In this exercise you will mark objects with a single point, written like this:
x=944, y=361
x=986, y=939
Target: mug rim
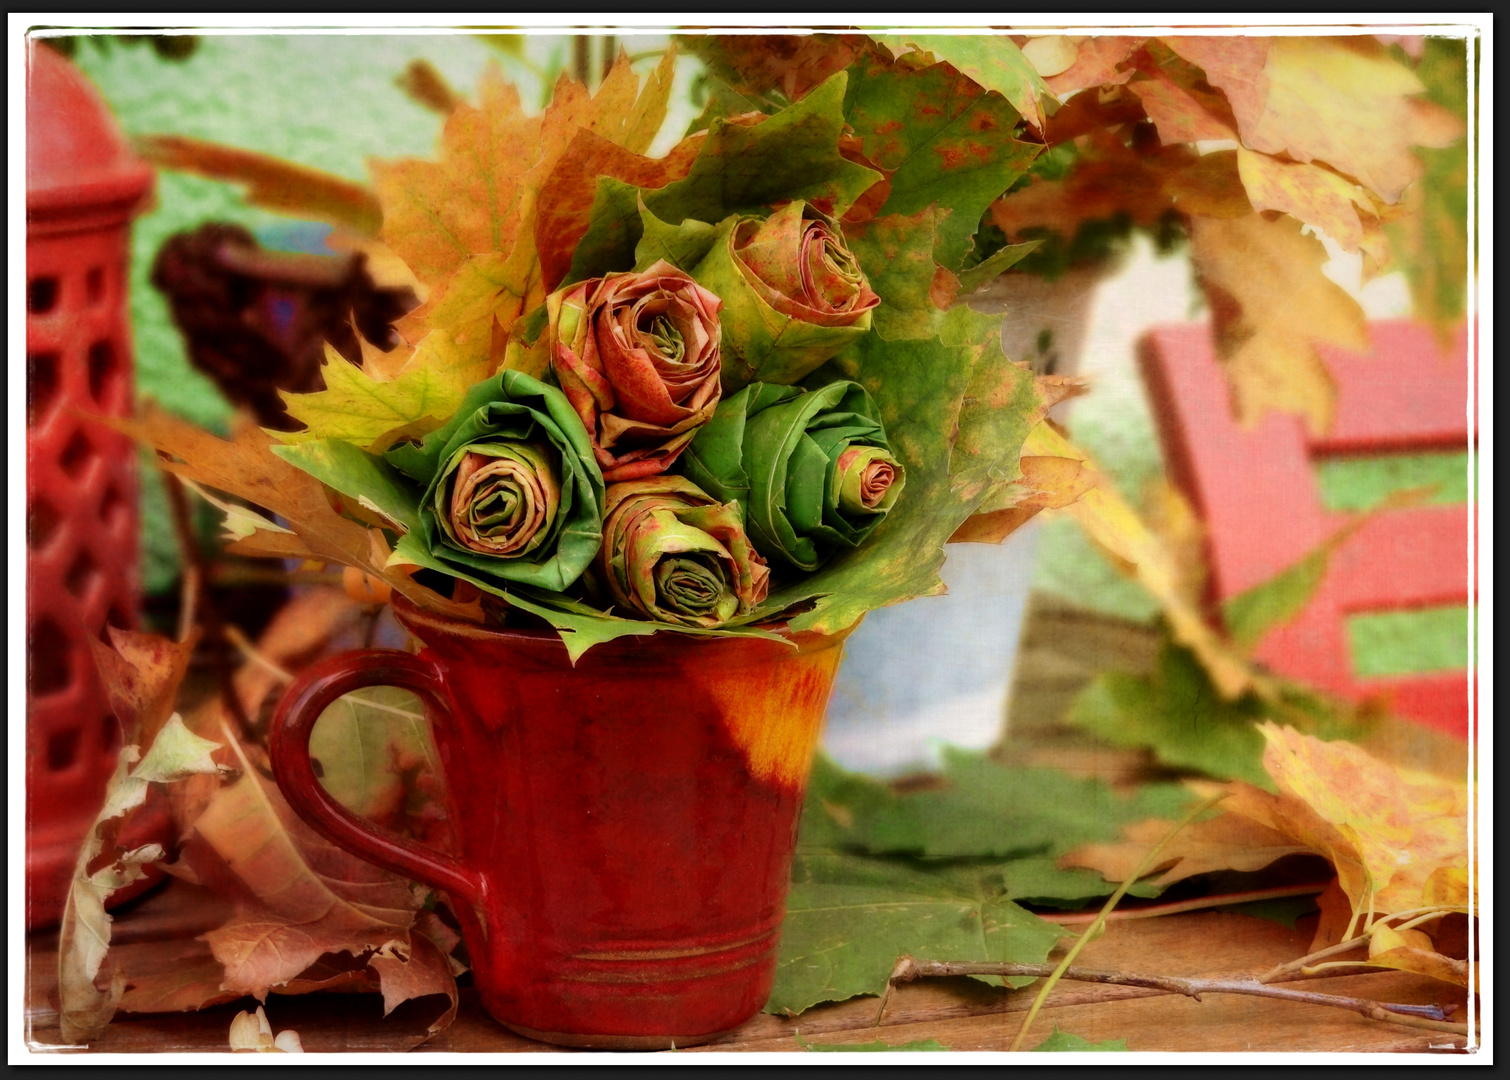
x=410, y=613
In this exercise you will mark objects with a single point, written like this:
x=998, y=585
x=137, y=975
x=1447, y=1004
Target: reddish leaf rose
x=637, y=354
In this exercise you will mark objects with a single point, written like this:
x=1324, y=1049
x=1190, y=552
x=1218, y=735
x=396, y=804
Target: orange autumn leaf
x=1313, y=194
x=1178, y=113
x=1096, y=63
x=245, y=468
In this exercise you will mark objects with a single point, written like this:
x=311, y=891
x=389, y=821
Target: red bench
x=1258, y=494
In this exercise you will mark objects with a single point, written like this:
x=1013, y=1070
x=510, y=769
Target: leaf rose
x=793, y=294
x=812, y=469
x=511, y=491
x=637, y=354
x=673, y=554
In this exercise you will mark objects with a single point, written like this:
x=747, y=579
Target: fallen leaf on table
x=877, y=1047
x=848, y=918
x=1227, y=842
x=84, y=938
x=1397, y=840
x=252, y=1033
x=1065, y=1042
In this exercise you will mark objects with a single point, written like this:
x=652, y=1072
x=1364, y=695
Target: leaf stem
x=1431, y=1017
x=1099, y=923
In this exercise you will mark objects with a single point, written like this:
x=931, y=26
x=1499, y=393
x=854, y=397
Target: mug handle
x=313, y=691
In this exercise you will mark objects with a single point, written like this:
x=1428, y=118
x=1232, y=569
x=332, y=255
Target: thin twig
x=195, y=565
x=188, y=549
x=1423, y=1016
x=1099, y=923
x=1200, y=903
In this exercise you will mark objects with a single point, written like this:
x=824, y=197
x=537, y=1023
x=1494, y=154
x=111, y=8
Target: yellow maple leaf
x=1398, y=840
x=1314, y=195
x=358, y=409
x=1412, y=950
x=1271, y=307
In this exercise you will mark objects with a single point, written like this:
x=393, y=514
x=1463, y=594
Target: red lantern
x=83, y=186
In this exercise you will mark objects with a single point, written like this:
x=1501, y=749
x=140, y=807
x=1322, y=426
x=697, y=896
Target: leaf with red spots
x=942, y=140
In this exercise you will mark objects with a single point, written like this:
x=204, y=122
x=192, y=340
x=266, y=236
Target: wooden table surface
x=1060, y=651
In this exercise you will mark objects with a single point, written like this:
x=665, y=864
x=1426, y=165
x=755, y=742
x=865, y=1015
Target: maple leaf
x=1157, y=565
x=299, y=896
x=1343, y=101
x=372, y=414
x=1226, y=842
x=1053, y=476
x=1316, y=196
x=994, y=62
x=1096, y=63
x=436, y=214
x=1271, y=307
x=1397, y=840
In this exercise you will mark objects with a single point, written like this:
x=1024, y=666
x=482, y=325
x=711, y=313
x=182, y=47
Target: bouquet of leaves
x=719, y=391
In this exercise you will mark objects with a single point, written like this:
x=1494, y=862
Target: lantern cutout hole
x=42, y=386
x=47, y=660
x=62, y=749
x=41, y=295
x=102, y=369
x=77, y=456
x=81, y=576
x=42, y=523
x=94, y=285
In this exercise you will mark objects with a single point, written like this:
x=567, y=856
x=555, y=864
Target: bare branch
x=1422, y=1016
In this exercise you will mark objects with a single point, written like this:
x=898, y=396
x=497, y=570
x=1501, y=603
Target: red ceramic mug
x=625, y=825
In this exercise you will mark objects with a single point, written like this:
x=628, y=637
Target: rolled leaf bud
x=793, y=294
x=510, y=489
x=672, y=554
x=813, y=470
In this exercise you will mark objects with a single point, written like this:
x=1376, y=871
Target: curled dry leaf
x=84, y=939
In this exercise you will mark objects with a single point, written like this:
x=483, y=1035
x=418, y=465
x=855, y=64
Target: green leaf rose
x=510, y=489
x=813, y=469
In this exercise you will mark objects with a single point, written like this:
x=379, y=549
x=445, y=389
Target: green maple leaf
x=1065, y=1042
x=848, y=918
x=988, y=809
x=739, y=169
x=992, y=60
x=944, y=141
